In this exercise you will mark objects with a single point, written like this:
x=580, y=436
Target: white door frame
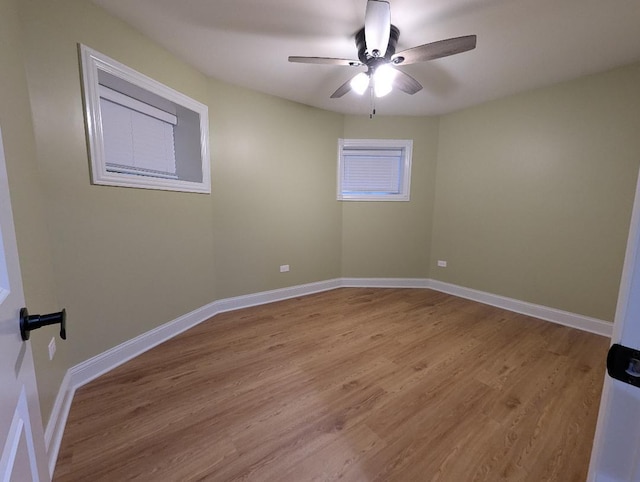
x=615, y=456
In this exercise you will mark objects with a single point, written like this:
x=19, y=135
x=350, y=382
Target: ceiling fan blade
x=377, y=23
x=343, y=89
x=435, y=50
x=406, y=83
x=325, y=60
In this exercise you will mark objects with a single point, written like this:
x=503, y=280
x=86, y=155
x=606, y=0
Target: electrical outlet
x=442, y=263
x=52, y=348
x=284, y=268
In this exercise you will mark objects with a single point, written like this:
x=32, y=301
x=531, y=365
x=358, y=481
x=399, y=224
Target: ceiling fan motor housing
x=373, y=62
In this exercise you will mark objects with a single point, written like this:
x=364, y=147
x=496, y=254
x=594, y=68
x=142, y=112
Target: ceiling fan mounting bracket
x=373, y=61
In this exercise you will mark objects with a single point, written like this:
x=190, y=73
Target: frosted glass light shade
x=360, y=83
x=383, y=80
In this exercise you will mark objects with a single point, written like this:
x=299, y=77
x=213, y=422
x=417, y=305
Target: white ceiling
x=522, y=44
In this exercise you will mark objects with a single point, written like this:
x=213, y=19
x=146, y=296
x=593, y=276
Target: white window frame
x=405, y=145
x=92, y=63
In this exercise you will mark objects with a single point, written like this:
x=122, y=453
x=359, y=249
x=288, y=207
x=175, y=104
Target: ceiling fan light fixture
x=376, y=46
x=360, y=83
x=383, y=80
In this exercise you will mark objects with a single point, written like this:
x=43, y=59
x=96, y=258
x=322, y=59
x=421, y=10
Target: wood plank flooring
x=352, y=384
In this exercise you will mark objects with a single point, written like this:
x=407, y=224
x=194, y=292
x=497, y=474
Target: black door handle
x=33, y=322
x=623, y=363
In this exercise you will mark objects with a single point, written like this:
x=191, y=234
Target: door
x=616, y=448
x=21, y=435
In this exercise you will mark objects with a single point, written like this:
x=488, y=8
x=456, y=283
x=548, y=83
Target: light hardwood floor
x=352, y=384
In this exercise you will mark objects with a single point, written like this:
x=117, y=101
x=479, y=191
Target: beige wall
x=534, y=193
x=392, y=239
x=527, y=197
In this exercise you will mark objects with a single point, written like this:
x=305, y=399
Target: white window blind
x=372, y=171
x=138, y=138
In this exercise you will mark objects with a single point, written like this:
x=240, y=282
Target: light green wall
x=392, y=239
x=128, y=260
x=274, y=165
x=534, y=193
x=125, y=260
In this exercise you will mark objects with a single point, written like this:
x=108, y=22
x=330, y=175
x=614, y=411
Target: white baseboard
x=584, y=323
x=92, y=368
x=100, y=364
x=384, y=283
x=58, y=420
x=264, y=297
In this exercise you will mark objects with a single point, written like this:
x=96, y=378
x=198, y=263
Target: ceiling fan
x=376, y=44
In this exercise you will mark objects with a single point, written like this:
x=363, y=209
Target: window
x=374, y=169
x=141, y=132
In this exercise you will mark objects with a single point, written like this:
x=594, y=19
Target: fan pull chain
x=373, y=103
